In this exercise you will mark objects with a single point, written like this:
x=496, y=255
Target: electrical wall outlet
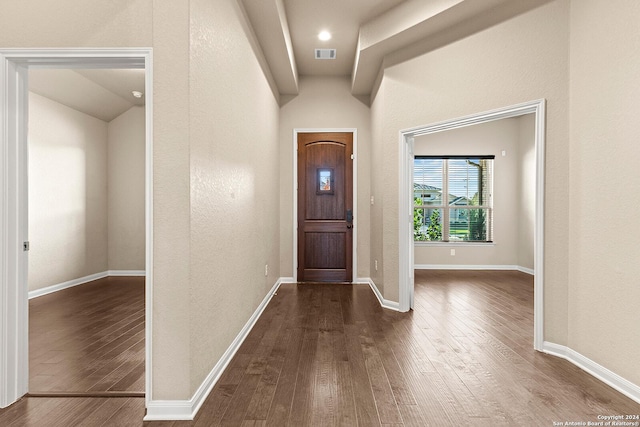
x=266, y=269
x=375, y=264
x=453, y=252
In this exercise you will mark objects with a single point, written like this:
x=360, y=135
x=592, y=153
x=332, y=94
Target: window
x=453, y=199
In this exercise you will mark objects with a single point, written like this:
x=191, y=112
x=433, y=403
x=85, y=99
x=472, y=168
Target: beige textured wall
x=483, y=139
x=212, y=98
x=324, y=103
x=526, y=182
x=376, y=173
x=165, y=27
x=604, y=320
x=125, y=190
x=522, y=59
x=67, y=193
x=234, y=182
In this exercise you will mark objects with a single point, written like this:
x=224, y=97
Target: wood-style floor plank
x=88, y=338
x=329, y=355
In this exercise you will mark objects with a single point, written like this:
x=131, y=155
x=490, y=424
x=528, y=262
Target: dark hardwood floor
x=89, y=338
x=325, y=355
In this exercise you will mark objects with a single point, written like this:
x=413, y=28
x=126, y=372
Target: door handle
x=349, y=219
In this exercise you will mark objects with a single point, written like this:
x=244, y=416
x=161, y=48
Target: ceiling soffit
x=271, y=28
x=368, y=34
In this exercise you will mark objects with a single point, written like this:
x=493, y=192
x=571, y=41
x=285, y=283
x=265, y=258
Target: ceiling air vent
x=325, y=54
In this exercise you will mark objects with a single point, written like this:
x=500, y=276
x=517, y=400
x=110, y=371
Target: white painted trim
x=405, y=214
x=13, y=261
x=68, y=284
x=148, y=216
x=14, y=64
x=526, y=270
x=472, y=267
x=161, y=410
x=133, y=273
x=287, y=280
x=354, y=131
x=385, y=303
x=82, y=280
x=608, y=377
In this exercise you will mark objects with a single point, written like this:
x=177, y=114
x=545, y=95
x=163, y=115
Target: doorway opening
x=86, y=147
x=15, y=65
x=406, y=178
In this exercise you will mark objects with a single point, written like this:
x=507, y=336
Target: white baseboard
x=137, y=273
x=610, y=378
x=471, y=267
x=526, y=270
x=82, y=280
x=385, y=303
x=287, y=280
x=164, y=410
x=68, y=284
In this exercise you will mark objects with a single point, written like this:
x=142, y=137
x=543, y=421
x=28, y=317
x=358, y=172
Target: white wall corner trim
x=385, y=303
x=165, y=410
x=610, y=378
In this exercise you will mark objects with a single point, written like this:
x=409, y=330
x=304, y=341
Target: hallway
x=329, y=355
x=326, y=355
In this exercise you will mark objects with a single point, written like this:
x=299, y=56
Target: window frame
x=446, y=206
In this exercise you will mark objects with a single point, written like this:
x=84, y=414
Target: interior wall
x=165, y=27
x=235, y=195
x=325, y=102
x=67, y=193
x=376, y=178
x=526, y=181
x=125, y=190
x=519, y=60
x=490, y=138
x=603, y=238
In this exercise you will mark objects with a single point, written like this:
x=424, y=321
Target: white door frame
x=14, y=97
x=406, y=268
x=353, y=131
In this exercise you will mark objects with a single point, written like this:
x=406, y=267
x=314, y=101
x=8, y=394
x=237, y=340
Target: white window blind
x=453, y=200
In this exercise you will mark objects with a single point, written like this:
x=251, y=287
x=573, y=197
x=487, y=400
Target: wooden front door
x=325, y=207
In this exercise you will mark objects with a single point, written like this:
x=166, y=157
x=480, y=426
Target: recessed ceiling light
x=136, y=93
x=324, y=35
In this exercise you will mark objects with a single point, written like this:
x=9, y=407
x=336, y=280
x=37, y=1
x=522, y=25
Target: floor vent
x=325, y=54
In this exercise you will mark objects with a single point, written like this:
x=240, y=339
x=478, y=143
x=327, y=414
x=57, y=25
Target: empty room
x=362, y=212
x=86, y=232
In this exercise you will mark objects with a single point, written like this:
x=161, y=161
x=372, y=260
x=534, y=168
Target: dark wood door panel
x=325, y=195
x=327, y=156
x=325, y=250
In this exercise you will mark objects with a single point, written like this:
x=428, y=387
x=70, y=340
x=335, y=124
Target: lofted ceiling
x=368, y=35
x=101, y=93
x=365, y=33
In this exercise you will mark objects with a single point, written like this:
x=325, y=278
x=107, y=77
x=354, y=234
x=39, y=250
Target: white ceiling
x=101, y=93
x=365, y=33
x=342, y=18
